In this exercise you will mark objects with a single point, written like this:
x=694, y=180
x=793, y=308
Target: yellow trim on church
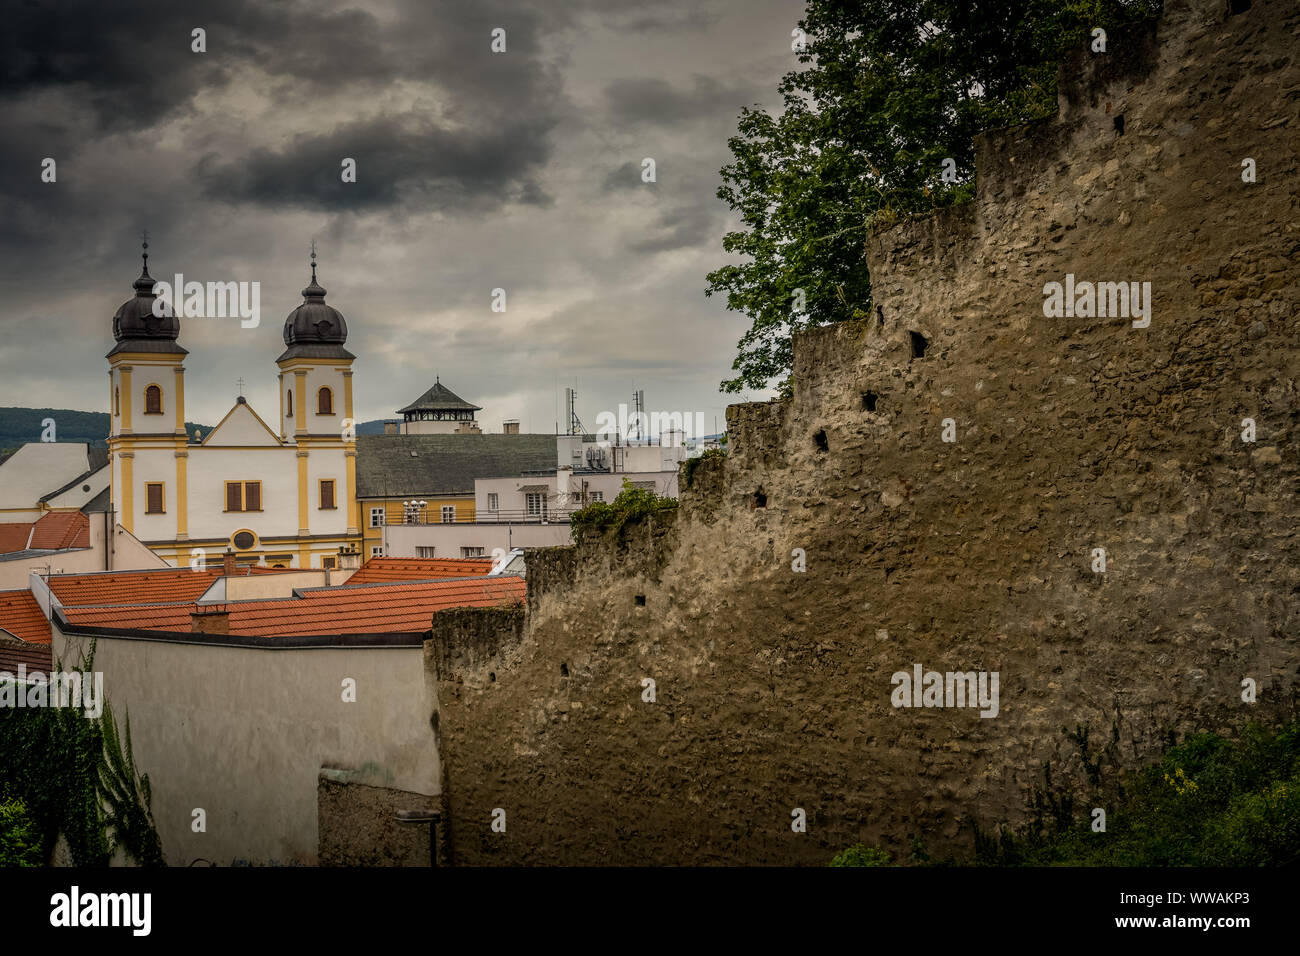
x=128, y=500
x=179, y=400
x=125, y=373
x=304, y=502
x=182, y=494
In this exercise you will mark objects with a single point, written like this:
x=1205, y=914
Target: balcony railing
x=482, y=516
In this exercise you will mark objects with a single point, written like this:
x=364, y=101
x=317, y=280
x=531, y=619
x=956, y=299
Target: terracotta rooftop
x=14, y=536
x=154, y=586
x=21, y=616
x=53, y=531
x=37, y=657
x=419, y=569
x=61, y=529
x=370, y=609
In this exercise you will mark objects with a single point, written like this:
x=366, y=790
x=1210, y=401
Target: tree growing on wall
x=878, y=125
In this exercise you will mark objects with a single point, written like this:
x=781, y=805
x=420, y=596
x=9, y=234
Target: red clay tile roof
x=37, y=657
x=419, y=569
x=53, y=531
x=156, y=586
x=61, y=529
x=373, y=609
x=21, y=616
x=14, y=536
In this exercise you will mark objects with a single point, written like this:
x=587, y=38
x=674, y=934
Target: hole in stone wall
x=492, y=675
x=760, y=499
x=564, y=670
x=1119, y=124
x=869, y=400
x=919, y=344
x=819, y=438
x=1237, y=6
x=880, y=314
x=640, y=600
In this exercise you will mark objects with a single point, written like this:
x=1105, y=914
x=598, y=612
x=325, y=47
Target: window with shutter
x=154, y=498
x=327, y=494
x=252, y=496
x=234, y=496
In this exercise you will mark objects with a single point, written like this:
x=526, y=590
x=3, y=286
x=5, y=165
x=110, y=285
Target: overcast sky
x=475, y=170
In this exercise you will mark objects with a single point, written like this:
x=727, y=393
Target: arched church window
x=117, y=401
x=153, y=400
x=288, y=403
x=325, y=402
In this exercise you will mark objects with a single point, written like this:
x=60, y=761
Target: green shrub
x=20, y=840
x=630, y=507
x=1209, y=801
x=861, y=855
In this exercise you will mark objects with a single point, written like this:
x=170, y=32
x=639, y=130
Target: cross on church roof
x=240, y=382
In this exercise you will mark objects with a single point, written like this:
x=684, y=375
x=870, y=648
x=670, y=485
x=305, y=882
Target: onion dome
x=135, y=326
x=315, y=329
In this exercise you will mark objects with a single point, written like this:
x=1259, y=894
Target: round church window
x=243, y=540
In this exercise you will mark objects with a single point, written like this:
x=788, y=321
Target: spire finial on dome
x=313, y=292
x=144, y=249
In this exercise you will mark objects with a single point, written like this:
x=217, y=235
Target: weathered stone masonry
x=1072, y=434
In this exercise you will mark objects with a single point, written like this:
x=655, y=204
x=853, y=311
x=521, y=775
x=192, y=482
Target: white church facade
x=276, y=493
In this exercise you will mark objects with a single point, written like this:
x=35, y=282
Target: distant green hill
x=21, y=425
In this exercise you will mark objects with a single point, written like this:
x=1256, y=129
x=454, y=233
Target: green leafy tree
x=891, y=89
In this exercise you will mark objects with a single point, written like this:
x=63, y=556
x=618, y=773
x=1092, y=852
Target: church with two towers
x=280, y=493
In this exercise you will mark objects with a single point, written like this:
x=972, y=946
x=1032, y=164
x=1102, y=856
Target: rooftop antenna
x=638, y=411
x=573, y=426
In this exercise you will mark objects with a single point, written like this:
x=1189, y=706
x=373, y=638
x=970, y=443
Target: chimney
x=349, y=559
x=390, y=428
x=210, y=619
x=510, y=427
x=228, y=563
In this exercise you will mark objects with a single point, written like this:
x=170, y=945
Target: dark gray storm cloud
x=475, y=170
x=401, y=161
